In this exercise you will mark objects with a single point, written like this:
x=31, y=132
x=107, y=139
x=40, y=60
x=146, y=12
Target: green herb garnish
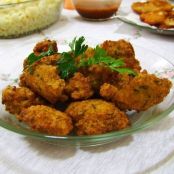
x=100, y=57
x=68, y=65
x=33, y=58
x=77, y=46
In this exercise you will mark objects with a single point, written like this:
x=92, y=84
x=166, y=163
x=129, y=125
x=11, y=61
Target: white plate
x=127, y=15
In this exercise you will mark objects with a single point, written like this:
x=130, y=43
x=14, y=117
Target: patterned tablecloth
x=150, y=151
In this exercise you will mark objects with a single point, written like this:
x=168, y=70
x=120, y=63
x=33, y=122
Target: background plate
x=127, y=15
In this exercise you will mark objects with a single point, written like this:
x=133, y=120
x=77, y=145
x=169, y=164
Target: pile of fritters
x=159, y=13
x=95, y=98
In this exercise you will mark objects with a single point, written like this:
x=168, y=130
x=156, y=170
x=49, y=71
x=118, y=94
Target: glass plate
x=128, y=16
x=11, y=67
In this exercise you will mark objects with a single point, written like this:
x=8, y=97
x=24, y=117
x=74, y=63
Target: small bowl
x=23, y=17
x=97, y=9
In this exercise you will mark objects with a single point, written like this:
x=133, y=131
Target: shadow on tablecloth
x=59, y=152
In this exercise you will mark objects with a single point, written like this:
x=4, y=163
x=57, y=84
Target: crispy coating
x=96, y=116
x=48, y=60
x=79, y=87
x=45, y=81
x=122, y=49
x=154, y=18
x=46, y=120
x=157, y=13
x=43, y=46
x=99, y=74
x=142, y=92
x=92, y=116
x=16, y=99
x=151, y=6
x=93, y=73
x=169, y=21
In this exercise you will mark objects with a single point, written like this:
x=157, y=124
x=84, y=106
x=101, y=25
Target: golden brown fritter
x=169, y=21
x=96, y=116
x=79, y=87
x=48, y=60
x=122, y=49
x=151, y=6
x=46, y=120
x=16, y=99
x=45, y=81
x=158, y=13
x=99, y=74
x=154, y=18
x=142, y=92
x=44, y=46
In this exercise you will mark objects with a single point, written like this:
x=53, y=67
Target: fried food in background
x=158, y=13
x=18, y=98
x=46, y=120
x=169, y=21
x=151, y=6
x=79, y=87
x=94, y=116
x=141, y=93
x=44, y=80
x=154, y=18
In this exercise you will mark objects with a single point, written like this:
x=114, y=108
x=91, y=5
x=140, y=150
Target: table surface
x=150, y=151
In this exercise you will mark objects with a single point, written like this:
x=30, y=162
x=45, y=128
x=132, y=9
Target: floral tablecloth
x=150, y=151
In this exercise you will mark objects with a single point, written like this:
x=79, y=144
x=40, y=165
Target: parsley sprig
x=32, y=58
x=77, y=46
x=101, y=58
x=68, y=65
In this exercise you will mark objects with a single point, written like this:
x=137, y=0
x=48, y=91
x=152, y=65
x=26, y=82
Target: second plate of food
x=94, y=121
x=150, y=15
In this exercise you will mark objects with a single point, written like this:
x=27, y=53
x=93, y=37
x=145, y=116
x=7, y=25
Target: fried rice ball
x=45, y=81
x=122, y=49
x=48, y=60
x=43, y=46
x=142, y=92
x=154, y=18
x=151, y=6
x=79, y=87
x=46, y=120
x=96, y=116
x=99, y=74
x=17, y=98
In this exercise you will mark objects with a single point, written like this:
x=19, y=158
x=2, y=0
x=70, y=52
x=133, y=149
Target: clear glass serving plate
x=11, y=67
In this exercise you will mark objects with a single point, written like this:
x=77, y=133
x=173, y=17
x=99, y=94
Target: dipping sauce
x=97, y=13
x=97, y=9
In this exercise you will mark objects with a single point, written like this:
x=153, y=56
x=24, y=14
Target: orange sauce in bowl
x=97, y=13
